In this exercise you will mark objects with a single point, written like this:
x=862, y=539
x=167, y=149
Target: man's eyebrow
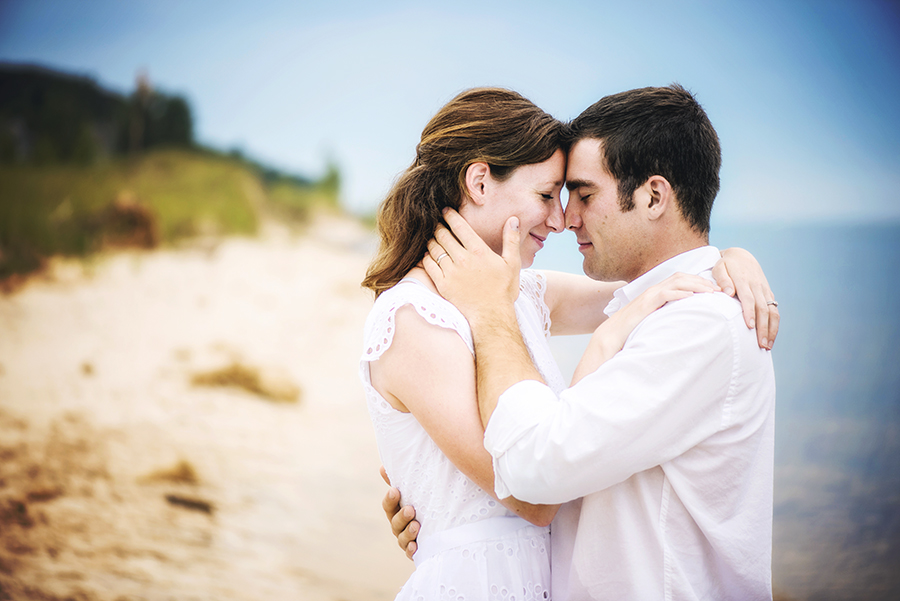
x=574, y=184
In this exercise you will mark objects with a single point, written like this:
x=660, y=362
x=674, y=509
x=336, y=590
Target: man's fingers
x=384, y=476
x=403, y=523
x=511, y=242
x=406, y=529
x=402, y=520
x=462, y=230
x=436, y=251
x=432, y=268
x=407, y=538
x=391, y=503
x=447, y=242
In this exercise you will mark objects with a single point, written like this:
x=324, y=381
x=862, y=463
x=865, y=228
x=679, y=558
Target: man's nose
x=573, y=219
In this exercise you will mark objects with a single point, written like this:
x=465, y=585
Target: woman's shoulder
x=417, y=299
x=412, y=289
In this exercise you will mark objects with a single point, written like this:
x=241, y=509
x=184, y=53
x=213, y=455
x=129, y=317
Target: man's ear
x=476, y=179
x=658, y=196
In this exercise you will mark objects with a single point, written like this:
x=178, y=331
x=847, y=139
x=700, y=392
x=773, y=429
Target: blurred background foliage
x=83, y=168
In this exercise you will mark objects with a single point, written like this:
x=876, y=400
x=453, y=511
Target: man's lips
x=583, y=245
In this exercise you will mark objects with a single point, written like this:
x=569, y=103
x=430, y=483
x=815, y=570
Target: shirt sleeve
x=664, y=393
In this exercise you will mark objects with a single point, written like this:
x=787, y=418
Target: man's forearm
x=501, y=357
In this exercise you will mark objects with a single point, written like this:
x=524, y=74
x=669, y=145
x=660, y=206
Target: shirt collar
x=693, y=261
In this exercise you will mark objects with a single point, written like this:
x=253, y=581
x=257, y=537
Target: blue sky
x=803, y=94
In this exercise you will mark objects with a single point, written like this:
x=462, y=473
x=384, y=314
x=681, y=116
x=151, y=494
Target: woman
x=489, y=154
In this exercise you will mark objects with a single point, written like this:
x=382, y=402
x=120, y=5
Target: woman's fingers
x=774, y=322
x=688, y=282
x=767, y=317
x=757, y=304
x=748, y=304
x=759, y=313
x=720, y=273
x=675, y=287
x=762, y=317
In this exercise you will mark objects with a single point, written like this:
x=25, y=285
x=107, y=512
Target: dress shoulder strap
x=379, y=330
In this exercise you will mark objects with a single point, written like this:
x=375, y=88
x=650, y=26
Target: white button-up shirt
x=670, y=443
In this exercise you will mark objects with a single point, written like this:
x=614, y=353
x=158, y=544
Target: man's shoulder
x=719, y=302
x=703, y=306
x=711, y=319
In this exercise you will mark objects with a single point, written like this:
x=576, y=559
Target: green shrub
x=171, y=194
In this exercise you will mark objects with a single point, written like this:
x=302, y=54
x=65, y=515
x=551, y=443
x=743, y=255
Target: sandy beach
x=189, y=424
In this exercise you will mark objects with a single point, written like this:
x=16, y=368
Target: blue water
x=837, y=365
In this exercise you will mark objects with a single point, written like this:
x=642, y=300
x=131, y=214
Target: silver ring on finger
x=439, y=259
x=772, y=304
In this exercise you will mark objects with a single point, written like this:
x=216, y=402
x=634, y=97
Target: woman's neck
x=418, y=273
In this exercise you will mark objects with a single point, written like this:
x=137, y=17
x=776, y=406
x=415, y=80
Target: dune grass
x=66, y=209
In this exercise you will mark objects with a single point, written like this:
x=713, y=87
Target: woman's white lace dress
x=470, y=547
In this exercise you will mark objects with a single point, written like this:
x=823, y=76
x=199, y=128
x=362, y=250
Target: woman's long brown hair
x=490, y=125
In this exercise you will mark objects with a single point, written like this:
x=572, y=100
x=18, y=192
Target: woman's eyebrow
x=558, y=182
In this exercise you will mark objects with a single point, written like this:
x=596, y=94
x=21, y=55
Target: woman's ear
x=476, y=177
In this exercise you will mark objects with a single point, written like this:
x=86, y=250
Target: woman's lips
x=539, y=240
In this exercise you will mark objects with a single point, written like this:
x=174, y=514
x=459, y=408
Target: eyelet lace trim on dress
x=433, y=309
x=534, y=284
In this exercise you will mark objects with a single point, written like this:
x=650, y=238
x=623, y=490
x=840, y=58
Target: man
x=663, y=455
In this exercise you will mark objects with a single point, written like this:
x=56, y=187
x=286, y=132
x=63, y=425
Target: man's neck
x=672, y=247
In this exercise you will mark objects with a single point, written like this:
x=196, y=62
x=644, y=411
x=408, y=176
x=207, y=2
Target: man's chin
x=593, y=276
x=596, y=272
x=588, y=270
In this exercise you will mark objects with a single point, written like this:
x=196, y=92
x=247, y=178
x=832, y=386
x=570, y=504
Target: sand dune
x=125, y=475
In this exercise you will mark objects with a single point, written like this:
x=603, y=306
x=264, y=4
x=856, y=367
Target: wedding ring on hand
x=438, y=260
x=772, y=303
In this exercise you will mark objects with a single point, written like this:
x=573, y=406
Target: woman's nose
x=556, y=220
